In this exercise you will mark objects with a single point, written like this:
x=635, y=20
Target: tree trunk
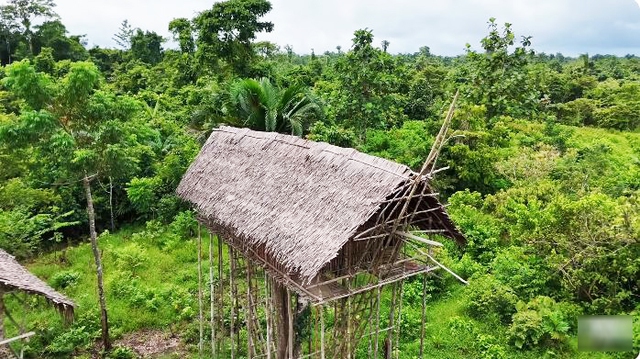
x=96, y=255
x=113, y=222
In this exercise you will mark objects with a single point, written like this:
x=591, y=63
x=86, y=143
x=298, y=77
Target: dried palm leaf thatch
x=298, y=201
x=13, y=276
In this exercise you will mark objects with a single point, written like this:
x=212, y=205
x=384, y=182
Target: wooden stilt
x=249, y=313
x=211, y=298
x=267, y=313
x=377, y=341
x=399, y=320
x=322, y=332
x=1, y=313
x=232, y=300
x=220, y=298
x=290, y=331
x=388, y=343
x=424, y=309
x=200, y=305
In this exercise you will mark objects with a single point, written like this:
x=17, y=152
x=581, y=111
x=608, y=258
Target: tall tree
x=497, y=77
x=22, y=13
x=78, y=131
x=227, y=30
x=124, y=34
x=147, y=46
x=183, y=33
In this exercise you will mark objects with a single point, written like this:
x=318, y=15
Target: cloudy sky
x=568, y=26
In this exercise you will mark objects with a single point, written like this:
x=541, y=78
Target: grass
x=151, y=283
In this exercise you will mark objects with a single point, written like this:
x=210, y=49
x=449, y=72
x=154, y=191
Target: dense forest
x=543, y=171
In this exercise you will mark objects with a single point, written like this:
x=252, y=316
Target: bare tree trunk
x=96, y=255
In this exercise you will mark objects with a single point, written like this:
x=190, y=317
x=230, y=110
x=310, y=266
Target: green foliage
x=539, y=322
x=261, y=106
x=543, y=174
x=226, y=31
x=120, y=352
x=130, y=257
x=64, y=279
x=487, y=296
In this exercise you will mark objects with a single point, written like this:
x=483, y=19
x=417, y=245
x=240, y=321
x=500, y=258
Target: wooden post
x=249, y=313
x=211, y=298
x=388, y=343
x=280, y=295
x=233, y=301
x=221, y=297
x=424, y=306
x=200, y=304
x=375, y=351
x=290, y=330
x=267, y=312
x=1, y=313
x=322, y=332
x=399, y=320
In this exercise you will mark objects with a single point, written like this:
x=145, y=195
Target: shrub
x=487, y=296
x=122, y=353
x=64, y=279
x=184, y=224
x=130, y=257
x=539, y=322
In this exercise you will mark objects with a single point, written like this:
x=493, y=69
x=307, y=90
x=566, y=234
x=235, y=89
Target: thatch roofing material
x=302, y=200
x=15, y=276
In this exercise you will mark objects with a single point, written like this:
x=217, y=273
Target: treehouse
x=17, y=281
x=329, y=228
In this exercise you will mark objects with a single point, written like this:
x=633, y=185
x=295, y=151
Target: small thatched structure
x=16, y=278
x=333, y=225
x=13, y=276
x=295, y=202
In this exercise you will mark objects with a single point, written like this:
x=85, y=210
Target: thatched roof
x=13, y=276
x=299, y=200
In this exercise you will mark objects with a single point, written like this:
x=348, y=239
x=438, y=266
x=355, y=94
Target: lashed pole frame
x=356, y=314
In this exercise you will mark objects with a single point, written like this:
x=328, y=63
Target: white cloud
x=568, y=26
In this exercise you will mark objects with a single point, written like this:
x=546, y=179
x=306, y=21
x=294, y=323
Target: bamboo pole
x=267, y=313
x=290, y=331
x=211, y=298
x=1, y=313
x=424, y=309
x=322, y=332
x=399, y=326
x=232, y=301
x=200, y=304
x=249, y=314
x=375, y=352
x=221, y=297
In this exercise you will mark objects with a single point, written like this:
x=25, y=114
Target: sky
x=571, y=27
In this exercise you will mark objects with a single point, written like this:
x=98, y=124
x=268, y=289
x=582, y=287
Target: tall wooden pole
x=211, y=298
x=1, y=313
x=290, y=319
x=322, y=332
x=233, y=301
x=221, y=297
x=200, y=304
x=424, y=309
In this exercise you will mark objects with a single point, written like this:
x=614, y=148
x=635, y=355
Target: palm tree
x=264, y=107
